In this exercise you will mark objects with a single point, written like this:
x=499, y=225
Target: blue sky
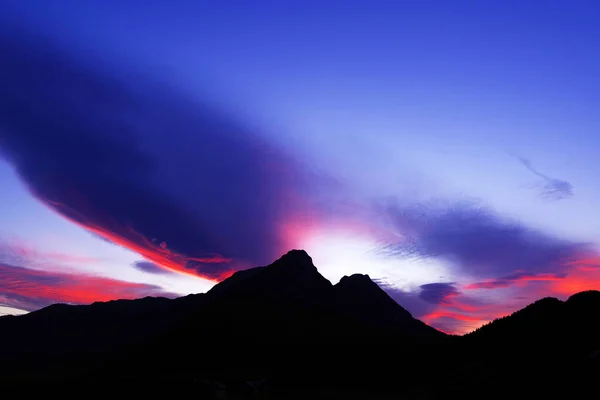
x=383, y=105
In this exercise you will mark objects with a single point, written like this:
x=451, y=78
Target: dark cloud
x=445, y=307
x=140, y=164
x=409, y=300
x=149, y=267
x=476, y=240
x=437, y=293
x=31, y=289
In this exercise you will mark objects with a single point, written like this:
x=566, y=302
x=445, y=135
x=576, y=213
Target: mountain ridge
x=269, y=322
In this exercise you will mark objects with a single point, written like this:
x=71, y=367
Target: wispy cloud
x=516, y=278
x=31, y=279
x=30, y=289
x=492, y=258
x=477, y=241
x=461, y=308
x=551, y=188
x=18, y=252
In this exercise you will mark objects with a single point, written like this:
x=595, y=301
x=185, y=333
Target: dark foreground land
x=283, y=331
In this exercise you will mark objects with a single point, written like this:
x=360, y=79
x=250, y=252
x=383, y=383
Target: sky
x=446, y=149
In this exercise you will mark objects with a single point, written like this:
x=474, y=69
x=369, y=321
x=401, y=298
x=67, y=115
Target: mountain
x=304, y=305
x=255, y=319
x=574, y=324
x=549, y=348
x=286, y=330
x=63, y=336
x=287, y=315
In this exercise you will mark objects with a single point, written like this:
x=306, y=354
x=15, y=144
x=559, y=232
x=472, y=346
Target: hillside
x=288, y=327
x=569, y=327
x=258, y=317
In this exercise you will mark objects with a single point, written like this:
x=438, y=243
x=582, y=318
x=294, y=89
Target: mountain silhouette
x=288, y=311
x=574, y=323
x=286, y=325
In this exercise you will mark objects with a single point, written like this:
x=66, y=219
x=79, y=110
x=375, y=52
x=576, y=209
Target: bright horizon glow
x=11, y=311
x=338, y=253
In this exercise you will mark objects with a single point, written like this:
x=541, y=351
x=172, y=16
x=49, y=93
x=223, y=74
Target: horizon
x=445, y=151
x=383, y=288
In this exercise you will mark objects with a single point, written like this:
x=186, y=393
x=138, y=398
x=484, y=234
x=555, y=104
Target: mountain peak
x=356, y=278
x=585, y=296
x=294, y=272
x=296, y=259
x=358, y=282
x=369, y=303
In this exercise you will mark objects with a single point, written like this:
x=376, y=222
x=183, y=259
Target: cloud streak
x=141, y=165
x=21, y=253
x=552, y=188
x=516, y=278
x=446, y=307
x=492, y=258
x=30, y=289
x=458, y=309
x=150, y=268
x=477, y=241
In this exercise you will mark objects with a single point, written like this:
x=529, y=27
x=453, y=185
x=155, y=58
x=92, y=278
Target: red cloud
x=590, y=264
x=30, y=289
x=461, y=313
x=448, y=314
x=582, y=276
x=157, y=253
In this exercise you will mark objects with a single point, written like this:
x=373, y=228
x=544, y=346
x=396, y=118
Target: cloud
x=31, y=279
x=151, y=268
x=500, y=264
x=142, y=165
x=18, y=252
x=30, y=289
x=582, y=275
x=437, y=293
x=445, y=307
x=476, y=241
x=5, y=311
x=469, y=306
x=410, y=301
x=551, y=188
x=462, y=313
x=516, y=278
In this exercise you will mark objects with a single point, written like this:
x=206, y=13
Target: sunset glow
x=451, y=160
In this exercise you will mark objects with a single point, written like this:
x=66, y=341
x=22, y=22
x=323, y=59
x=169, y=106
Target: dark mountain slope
x=547, y=349
x=255, y=321
x=284, y=316
x=60, y=334
x=531, y=323
x=357, y=297
x=569, y=327
x=287, y=325
x=290, y=299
